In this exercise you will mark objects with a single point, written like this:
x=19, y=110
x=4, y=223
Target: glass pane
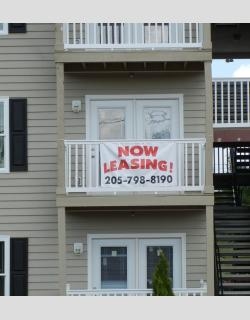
x=1, y=257
x=157, y=123
x=1, y=152
x=1, y=27
x=114, y=267
x=1, y=117
x=153, y=253
x=1, y=286
x=111, y=124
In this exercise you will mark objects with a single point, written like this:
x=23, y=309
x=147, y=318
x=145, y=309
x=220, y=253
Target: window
x=4, y=265
x=3, y=28
x=4, y=135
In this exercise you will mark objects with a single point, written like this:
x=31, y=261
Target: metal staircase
x=232, y=250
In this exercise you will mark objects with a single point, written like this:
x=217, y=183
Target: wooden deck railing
x=132, y=35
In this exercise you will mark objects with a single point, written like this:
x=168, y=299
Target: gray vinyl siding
x=27, y=199
x=192, y=223
x=190, y=84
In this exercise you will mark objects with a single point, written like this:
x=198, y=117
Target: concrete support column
x=61, y=219
x=210, y=249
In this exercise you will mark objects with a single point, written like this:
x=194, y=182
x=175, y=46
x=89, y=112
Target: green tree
x=161, y=282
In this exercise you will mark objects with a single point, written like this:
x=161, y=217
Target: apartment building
x=106, y=157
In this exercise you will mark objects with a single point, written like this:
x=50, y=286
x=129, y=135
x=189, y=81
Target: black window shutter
x=17, y=27
x=18, y=135
x=19, y=266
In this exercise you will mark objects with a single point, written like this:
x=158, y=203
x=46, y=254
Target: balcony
x=231, y=103
x=145, y=166
x=131, y=36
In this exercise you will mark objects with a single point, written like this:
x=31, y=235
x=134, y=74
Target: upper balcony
x=128, y=36
x=119, y=42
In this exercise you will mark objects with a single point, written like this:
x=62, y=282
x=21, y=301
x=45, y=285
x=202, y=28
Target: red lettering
x=151, y=164
x=134, y=164
x=150, y=151
x=113, y=165
x=162, y=165
x=105, y=168
x=171, y=167
x=136, y=151
x=123, y=165
x=123, y=151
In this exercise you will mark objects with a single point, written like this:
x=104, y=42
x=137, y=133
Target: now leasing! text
x=151, y=163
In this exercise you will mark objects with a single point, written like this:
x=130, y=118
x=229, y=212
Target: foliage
x=245, y=196
x=162, y=285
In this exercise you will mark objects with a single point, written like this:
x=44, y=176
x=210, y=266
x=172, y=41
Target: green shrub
x=162, y=285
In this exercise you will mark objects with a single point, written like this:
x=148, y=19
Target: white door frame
x=90, y=98
x=137, y=237
x=6, y=240
x=96, y=258
x=177, y=263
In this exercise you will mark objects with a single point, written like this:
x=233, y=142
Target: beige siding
x=27, y=199
x=193, y=223
x=191, y=85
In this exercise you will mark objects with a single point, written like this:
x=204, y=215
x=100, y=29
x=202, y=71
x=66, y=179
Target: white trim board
x=6, y=168
x=6, y=240
x=4, y=31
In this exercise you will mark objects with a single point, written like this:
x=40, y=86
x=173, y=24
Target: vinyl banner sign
x=138, y=164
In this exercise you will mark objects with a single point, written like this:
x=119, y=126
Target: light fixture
x=76, y=106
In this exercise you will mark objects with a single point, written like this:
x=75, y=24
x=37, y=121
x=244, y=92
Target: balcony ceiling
x=231, y=40
x=112, y=67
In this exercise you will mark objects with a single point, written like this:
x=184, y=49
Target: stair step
x=223, y=195
x=232, y=230
x=242, y=246
x=232, y=224
x=235, y=209
x=235, y=269
x=236, y=293
x=234, y=254
x=237, y=278
x=236, y=262
x=236, y=286
x=233, y=237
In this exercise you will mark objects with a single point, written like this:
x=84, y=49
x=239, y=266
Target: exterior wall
x=190, y=84
x=189, y=221
x=27, y=199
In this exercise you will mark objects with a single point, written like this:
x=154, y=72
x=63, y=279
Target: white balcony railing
x=202, y=291
x=132, y=35
x=231, y=102
x=82, y=167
